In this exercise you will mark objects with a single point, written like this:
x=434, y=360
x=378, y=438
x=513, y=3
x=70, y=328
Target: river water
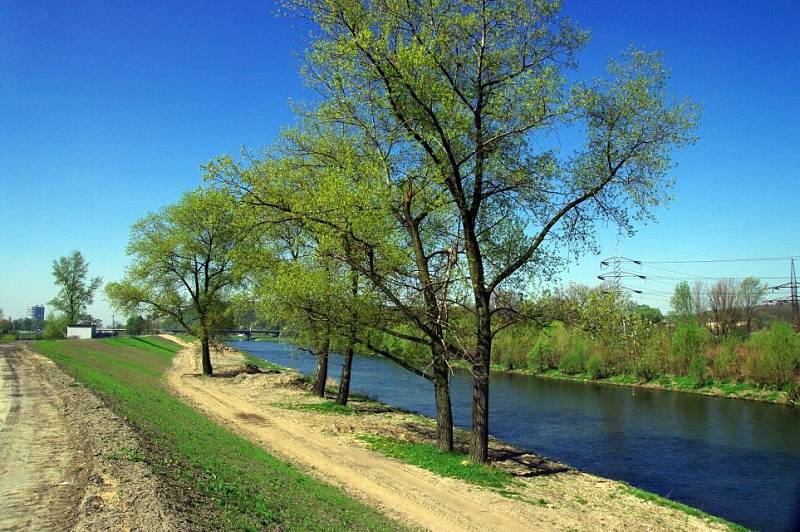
x=732, y=458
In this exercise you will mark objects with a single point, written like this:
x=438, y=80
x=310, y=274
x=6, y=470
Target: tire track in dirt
x=9, y=408
x=62, y=456
x=41, y=475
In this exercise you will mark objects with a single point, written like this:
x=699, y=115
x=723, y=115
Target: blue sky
x=108, y=109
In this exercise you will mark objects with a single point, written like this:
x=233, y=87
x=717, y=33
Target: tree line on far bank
x=599, y=333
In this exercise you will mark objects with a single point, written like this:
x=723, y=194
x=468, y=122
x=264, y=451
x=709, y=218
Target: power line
x=731, y=229
x=793, y=298
x=708, y=261
x=615, y=276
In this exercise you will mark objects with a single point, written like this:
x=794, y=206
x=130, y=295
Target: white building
x=81, y=332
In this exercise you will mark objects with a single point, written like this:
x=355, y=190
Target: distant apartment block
x=36, y=313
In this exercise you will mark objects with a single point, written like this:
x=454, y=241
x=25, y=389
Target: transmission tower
x=616, y=273
x=792, y=299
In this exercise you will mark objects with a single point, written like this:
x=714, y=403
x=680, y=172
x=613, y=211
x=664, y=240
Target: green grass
x=669, y=503
x=263, y=365
x=732, y=388
x=427, y=456
x=186, y=337
x=327, y=407
x=623, y=379
x=226, y=481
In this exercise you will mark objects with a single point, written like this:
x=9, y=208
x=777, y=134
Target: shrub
x=596, y=367
x=574, y=360
x=5, y=338
x=652, y=360
x=792, y=390
x=645, y=367
x=55, y=326
x=697, y=370
x=688, y=340
x=511, y=346
x=541, y=354
x=777, y=355
x=725, y=359
x=561, y=341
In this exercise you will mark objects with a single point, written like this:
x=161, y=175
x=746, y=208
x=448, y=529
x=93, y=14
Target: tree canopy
x=75, y=290
x=432, y=151
x=182, y=264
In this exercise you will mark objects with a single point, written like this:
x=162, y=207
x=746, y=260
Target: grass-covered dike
x=218, y=480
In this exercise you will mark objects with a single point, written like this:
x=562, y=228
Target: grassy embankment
x=454, y=464
x=225, y=481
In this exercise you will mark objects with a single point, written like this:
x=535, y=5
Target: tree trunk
x=479, y=443
x=444, y=412
x=344, y=382
x=322, y=369
x=205, y=355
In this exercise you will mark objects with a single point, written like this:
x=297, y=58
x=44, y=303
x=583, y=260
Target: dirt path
x=570, y=500
x=42, y=464
x=66, y=461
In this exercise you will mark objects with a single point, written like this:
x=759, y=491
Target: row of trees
x=601, y=333
x=421, y=194
x=725, y=301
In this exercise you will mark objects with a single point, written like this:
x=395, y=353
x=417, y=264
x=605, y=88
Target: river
x=736, y=459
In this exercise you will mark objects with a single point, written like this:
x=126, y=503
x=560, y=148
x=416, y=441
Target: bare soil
x=67, y=462
x=263, y=408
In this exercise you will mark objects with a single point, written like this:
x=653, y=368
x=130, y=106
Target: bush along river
x=733, y=458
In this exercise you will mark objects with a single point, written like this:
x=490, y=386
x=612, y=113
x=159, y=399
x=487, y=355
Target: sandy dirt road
x=410, y=494
x=42, y=462
x=62, y=455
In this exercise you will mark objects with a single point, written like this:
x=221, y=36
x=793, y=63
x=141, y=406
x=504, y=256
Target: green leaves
x=183, y=261
x=75, y=292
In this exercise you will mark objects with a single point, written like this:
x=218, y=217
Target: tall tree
x=723, y=300
x=182, y=265
x=75, y=291
x=699, y=301
x=304, y=294
x=682, y=301
x=474, y=88
x=135, y=325
x=751, y=294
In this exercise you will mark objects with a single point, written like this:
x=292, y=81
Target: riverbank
x=732, y=390
x=671, y=383
x=210, y=477
x=443, y=491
